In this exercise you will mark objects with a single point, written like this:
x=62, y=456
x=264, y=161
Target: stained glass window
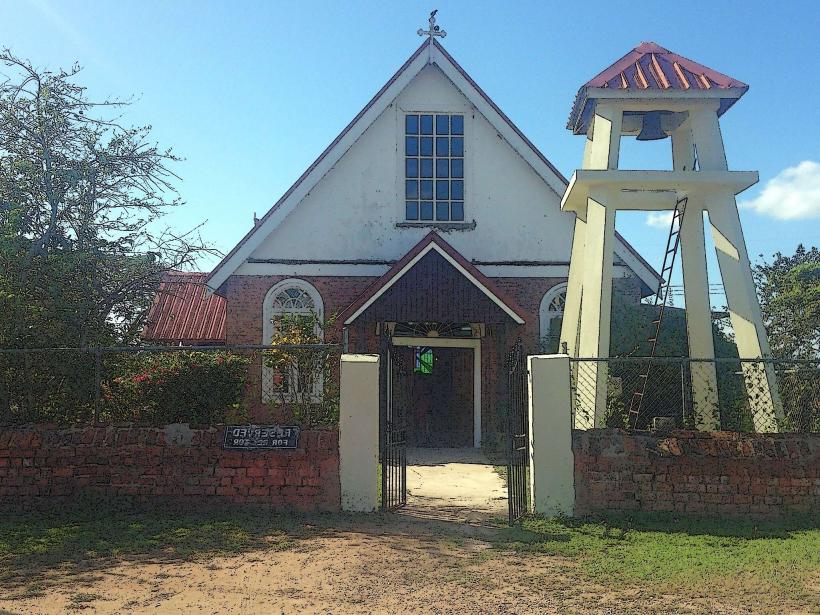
x=424, y=360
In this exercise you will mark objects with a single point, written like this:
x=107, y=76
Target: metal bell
x=651, y=128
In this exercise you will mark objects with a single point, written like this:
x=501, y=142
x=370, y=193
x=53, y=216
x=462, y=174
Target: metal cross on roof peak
x=434, y=29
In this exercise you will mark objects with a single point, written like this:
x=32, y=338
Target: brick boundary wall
x=716, y=473
x=40, y=465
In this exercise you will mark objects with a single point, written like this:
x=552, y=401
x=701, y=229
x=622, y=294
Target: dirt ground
x=460, y=481
x=441, y=554
x=406, y=563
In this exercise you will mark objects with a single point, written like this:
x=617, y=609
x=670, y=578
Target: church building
x=431, y=220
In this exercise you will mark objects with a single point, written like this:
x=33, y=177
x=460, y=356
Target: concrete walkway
x=457, y=484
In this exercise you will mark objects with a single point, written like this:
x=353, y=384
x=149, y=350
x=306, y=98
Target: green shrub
x=176, y=387
x=305, y=382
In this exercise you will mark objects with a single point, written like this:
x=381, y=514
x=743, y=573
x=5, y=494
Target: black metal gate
x=393, y=412
x=517, y=433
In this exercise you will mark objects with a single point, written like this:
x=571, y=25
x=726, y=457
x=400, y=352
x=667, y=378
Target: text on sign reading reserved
x=261, y=437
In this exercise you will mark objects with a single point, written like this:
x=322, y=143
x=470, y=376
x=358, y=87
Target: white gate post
x=552, y=464
x=359, y=432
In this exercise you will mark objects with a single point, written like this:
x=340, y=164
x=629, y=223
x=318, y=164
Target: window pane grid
x=434, y=167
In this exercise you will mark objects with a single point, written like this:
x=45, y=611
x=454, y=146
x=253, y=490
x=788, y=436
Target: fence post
x=684, y=407
x=97, y=383
x=552, y=463
x=359, y=432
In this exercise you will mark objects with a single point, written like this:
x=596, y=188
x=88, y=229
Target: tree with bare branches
x=81, y=248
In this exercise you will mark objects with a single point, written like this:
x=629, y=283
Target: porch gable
x=433, y=282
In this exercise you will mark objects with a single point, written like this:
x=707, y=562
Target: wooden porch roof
x=434, y=282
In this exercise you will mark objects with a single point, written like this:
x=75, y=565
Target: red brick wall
x=528, y=293
x=697, y=472
x=245, y=294
x=41, y=464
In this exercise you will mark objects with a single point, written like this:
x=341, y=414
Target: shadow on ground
x=37, y=550
x=84, y=541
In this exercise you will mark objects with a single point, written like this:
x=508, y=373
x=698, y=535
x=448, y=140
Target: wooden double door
x=441, y=407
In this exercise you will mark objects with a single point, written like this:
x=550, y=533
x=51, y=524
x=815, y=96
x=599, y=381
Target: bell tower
x=652, y=93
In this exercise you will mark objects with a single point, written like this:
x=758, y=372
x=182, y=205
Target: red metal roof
x=183, y=312
x=650, y=67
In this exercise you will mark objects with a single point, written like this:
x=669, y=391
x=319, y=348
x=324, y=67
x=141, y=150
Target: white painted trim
x=365, y=270
x=267, y=307
x=466, y=110
x=454, y=263
x=524, y=271
x=313, y=269
x=537, y=271
x=450, y=342
x=663, y=95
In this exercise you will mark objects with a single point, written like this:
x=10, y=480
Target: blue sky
x=251, y=92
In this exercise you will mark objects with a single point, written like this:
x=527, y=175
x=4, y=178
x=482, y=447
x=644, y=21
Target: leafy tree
x=81, y=252
x=305, y=380
x=789, y=292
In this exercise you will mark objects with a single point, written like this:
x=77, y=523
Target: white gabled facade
x=346, y=215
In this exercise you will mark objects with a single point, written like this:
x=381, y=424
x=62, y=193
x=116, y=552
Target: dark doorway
x=442, y=406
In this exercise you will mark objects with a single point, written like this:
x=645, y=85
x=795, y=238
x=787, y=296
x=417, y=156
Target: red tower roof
x=650, y=67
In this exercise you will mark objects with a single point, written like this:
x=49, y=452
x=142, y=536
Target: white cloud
x=659, y=219
x=792, y=194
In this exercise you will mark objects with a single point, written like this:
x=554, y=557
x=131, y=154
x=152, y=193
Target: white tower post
x=653, y=93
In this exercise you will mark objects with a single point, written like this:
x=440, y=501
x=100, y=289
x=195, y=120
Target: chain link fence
x=720, y=394
x=170, y=384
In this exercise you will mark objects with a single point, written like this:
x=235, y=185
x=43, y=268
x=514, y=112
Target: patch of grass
x=32, y=544
x=379, y=485
x=34, y=590
x=670, y=553
x=83, y=598
x=81, y=601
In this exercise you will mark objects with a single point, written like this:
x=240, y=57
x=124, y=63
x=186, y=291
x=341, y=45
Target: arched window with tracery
x=552, y=313
x=291, y=303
